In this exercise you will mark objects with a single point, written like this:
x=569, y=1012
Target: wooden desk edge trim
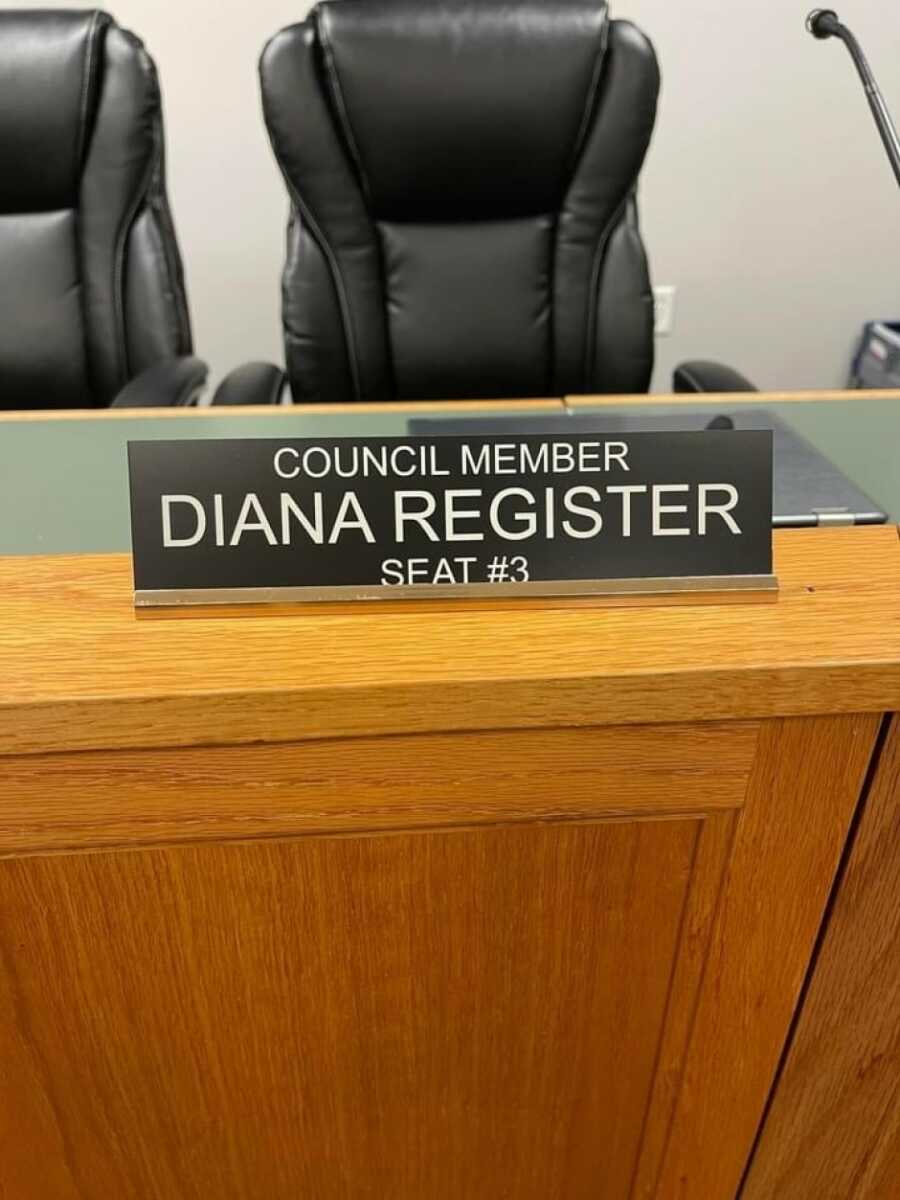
x=549, y=404
x=339, y=713
x=731, y=399
x=125, y=798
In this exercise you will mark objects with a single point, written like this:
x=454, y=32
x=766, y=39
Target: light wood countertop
x=81, y=670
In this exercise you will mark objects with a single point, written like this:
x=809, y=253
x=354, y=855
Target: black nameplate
x=273, y=519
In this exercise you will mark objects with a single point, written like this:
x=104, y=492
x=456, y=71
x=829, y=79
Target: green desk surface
x=64, y=480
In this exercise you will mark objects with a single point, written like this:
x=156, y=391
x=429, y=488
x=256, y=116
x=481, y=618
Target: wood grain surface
x=833, y=1130
x=80, y=671
x=541, y=1011
x=548, y=404
x=692, y=399
x=714, y=851
x=787, y=846
x=264, y=411
x=142, y=797
x=422, y=1018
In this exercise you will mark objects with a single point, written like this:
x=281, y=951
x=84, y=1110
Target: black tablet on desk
x=808, y=488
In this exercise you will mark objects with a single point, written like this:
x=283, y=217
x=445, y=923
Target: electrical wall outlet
x=664, y=309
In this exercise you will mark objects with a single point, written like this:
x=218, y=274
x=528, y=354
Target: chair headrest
x=456, y=110
x=50, y=62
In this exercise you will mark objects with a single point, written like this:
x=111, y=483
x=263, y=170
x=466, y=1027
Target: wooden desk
x=430, y=906
x=831, y=395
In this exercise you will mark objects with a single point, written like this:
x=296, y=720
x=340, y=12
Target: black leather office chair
x=462, y=179
x=92, y=300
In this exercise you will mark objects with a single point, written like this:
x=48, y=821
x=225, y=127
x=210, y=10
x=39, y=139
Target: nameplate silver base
x=189, y=597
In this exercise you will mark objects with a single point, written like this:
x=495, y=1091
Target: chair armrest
x=710, y=377
x=167, y=384
x=252, y=383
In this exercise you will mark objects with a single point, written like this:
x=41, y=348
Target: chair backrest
x=91, y=287
x=462, y=178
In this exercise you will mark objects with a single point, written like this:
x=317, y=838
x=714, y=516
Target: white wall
x=766, y=198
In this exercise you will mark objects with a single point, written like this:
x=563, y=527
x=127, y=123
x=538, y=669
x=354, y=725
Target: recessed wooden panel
x=95, y=799
x=544, y=1009
x=833, y=1129
x=462, y=1014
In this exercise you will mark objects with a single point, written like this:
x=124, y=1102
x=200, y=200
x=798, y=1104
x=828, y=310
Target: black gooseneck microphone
x=824, y=23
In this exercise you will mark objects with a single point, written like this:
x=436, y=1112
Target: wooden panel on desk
x=743, y=399
x=448, y=1015
x=145, y=797
x=79, y=671
x=263, y=412
x=833, y=1130
x=545, y=1011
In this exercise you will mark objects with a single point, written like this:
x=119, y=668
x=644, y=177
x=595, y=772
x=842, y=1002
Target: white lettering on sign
x=219, y=518
x=290, y=472
x=480, y=465
x=720, y=510
x=517, y=513
x=192, y=539
x=549, y=458
x=314, y=529
x=626, y=492
x=252, y=519
x=402, y=453
x=526, y=519
x=351, y=516
x=595, y=521
x=404, y=516
x=352, y=461
x=309, y=459
x=514, y=514
x=660, y=510
x=452, y=515
x=395, y=571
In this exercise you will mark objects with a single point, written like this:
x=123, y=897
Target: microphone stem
x=887, y=129
x=879, y=108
